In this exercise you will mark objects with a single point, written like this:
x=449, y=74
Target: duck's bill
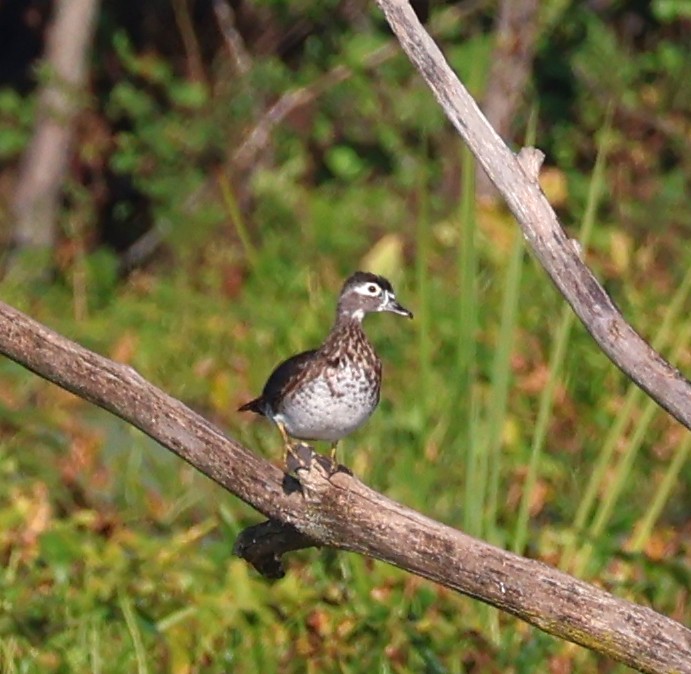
x=395, y=308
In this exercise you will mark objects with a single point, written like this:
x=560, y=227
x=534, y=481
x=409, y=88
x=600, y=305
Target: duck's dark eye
x=372, y=289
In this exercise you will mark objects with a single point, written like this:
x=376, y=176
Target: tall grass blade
x=556, y=363
x=661, y=496
x=466, y=354
x=632, y=402
x=616, y=485
x=236, y=217
x=595, y=191
x=423, y=308
x=501, y=375
x=95, y=659
x=495, y=412
x=135, y=634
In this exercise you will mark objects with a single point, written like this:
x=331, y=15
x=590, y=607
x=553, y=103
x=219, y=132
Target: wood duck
x=329, y=392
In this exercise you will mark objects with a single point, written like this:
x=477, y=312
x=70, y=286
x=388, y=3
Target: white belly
x=330, y=408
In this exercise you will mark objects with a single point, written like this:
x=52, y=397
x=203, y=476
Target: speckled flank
x=330, y=392
x=332, y=401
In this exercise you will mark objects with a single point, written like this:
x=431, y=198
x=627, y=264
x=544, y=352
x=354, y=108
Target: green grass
x=559, y=346
x=495, y=418
x=499, y=415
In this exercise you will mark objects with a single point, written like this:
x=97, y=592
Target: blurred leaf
x=671, y=10
x=344, y=162
x=16, y=114
x=59, y=549
x=385, y=257
x=191, y=95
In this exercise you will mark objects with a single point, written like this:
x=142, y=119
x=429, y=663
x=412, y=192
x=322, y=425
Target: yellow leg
x=287, y=444
x=334, y=463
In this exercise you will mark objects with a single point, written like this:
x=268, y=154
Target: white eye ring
x=369, y=290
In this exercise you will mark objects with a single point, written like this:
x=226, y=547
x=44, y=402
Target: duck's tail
x=256, y=406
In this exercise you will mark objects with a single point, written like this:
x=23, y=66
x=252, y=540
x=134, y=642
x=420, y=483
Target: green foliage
x=589, y=62
x=498, y=414
x=16, y=114
x=166, y=131
x=671, y=10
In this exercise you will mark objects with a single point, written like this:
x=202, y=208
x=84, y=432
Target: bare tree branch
x=340, y=512
x=260, y=135
x=237, y=52
x=541, y=228
x=263, y=546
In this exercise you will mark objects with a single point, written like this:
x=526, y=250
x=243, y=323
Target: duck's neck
x=346, y=329
x=345, y=318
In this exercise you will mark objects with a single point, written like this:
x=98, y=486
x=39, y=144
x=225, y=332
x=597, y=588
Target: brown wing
x=287, y=375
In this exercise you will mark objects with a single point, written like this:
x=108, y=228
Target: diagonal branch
x=341, y=512
x=541, y=228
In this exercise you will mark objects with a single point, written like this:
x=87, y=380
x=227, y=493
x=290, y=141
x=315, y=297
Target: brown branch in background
x=539, y=223
x=193, y=58
x=511, y=65
x=259, y=137
x=340, y=512
x=235, y=45
x=44, y=163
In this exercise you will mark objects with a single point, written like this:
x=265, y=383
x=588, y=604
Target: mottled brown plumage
x=327, y=393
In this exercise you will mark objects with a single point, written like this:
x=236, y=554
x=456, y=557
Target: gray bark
x=341, y=512
x=559, y=255
x=317, y=508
